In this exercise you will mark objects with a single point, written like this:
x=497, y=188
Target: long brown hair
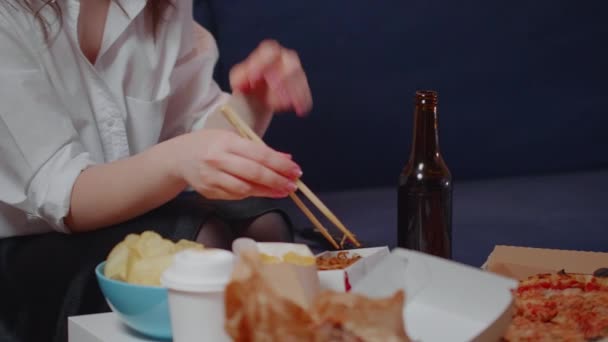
x=155, y=9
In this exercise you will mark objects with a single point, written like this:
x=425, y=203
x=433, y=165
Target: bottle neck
x=426, y=139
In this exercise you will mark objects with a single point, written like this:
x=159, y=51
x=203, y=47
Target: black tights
x=270, y=227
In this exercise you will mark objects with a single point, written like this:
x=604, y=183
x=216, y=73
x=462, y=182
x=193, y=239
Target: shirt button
x=110, y=123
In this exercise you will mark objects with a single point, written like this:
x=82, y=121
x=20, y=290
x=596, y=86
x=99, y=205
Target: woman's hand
x=216, y=163
x=221, y=165
x=274, y=75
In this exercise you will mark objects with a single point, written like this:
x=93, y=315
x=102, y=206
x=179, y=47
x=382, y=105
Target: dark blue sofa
x=523, y=110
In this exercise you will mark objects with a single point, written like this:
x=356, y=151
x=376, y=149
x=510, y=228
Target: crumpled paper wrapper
x=255, y=312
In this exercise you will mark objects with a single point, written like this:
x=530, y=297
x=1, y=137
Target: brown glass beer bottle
x=424, y=204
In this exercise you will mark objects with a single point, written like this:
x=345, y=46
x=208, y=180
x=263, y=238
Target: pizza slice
x=560, y=307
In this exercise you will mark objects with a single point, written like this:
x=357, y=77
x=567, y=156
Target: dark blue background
x=523, y=85
x=523, y=89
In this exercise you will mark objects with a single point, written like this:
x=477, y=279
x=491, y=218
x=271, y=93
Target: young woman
x=103, y=124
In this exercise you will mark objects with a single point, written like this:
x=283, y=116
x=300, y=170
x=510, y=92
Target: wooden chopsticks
x=246, y=132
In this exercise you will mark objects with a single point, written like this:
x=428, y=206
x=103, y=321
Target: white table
x=104, y=327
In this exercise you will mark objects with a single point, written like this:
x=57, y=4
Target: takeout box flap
x=468, y=303
x=521, y=262
x=296, y=282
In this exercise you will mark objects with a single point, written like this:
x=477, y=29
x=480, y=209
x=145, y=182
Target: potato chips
x=141, y=259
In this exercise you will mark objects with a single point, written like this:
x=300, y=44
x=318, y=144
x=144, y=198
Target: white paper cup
x=196, y=281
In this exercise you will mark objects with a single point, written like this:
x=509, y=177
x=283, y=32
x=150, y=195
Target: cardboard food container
x=344, y=279
x=300, y=283
x=445, y=300
x=522, y=262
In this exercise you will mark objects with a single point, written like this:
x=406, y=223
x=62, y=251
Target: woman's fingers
x=287, y=83
x=278, y=72
x=222, y=165
x=250, y=72
x=257, y=174
x=264, y=155
x=227, y=186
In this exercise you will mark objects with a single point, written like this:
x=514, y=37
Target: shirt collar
x=131, y=7
x=120, y=15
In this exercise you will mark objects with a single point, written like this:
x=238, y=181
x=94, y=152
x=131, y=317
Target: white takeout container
x=444, y=300
x=343, y=280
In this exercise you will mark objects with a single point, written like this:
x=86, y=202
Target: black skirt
x=46, y=278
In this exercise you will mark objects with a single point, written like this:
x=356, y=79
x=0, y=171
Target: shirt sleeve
x=40, y=152
x=195, y=94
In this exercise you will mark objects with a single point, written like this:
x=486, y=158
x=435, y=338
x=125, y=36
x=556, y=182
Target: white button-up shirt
x=60, y=114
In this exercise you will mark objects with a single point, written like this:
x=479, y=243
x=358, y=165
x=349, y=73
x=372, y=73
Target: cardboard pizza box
x=342, y=280
x=445, y=300
x=522, y=262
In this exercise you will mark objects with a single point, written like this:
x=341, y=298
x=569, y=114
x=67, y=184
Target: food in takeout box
x=256, y=311
x=340, y=270
x=337, y=261
x=561, y=295
x=142, y=258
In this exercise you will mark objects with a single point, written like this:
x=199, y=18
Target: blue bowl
x=143, y=308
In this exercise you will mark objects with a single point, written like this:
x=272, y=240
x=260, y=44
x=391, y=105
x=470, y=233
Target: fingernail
x=297, y=172
x=287, y=155
x=291, y=187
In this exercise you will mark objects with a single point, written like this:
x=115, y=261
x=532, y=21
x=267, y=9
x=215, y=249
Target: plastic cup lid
x=207, y=270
